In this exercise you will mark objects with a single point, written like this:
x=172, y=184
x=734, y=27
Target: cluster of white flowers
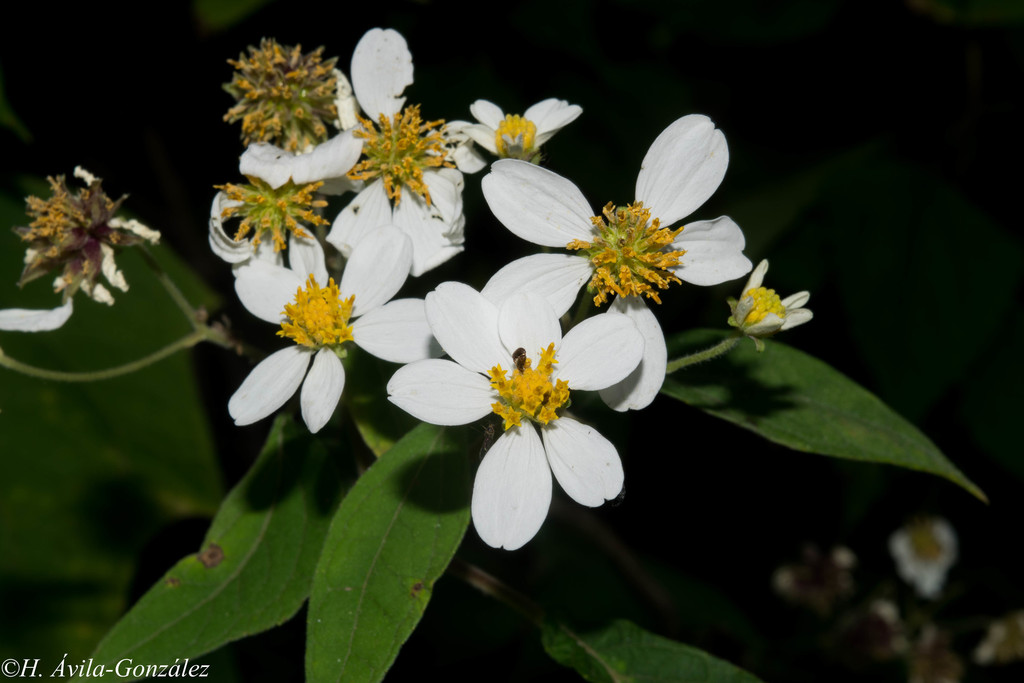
x=509, y=355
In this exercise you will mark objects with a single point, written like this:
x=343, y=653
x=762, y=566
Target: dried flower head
x=76, y=234
x=818, y=581
x=283, y=96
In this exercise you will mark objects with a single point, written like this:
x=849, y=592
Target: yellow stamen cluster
x=283, y=96
x=765, y=301
x=399, y=149
x=529, y=393
x=514, y=137
x=319, y=316
x=630, y=254
x=923, y=540
x=277, y=212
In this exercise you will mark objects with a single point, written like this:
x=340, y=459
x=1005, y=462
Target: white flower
x=522, y=336
x=628, y=252
x=420, y=191
x=278, y=175
x=760, y=313
x=511, y=136
x=924, y=550
x=320, y=321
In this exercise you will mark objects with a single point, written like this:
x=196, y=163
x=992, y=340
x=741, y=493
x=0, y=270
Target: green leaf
x=379, y=422
x=624, y=652
x=256, y=564
x=393, y=536
x=898, y=308
x=91, y=472
x=798, y=401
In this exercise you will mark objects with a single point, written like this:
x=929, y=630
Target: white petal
x=98, y=293
x=537, y=205
x=397, y=331
x=428, y=233
x=306, y=257
x=220, y=243
x=345, y=103
x=488, y=114
x=756, y=275
x=331, y=159
x=526, y=321
x=135, y=227
x=481, y=135
x=682, y=169
x=377, y=269
x=465, y=324
x=556, y=277
x=34, y=320
x=599, y=352
x=797, y=317
x=796, y=300
x=512, y=491
x=381, y=70
x=441, y=392
x=586, y=464
x=642, y=385
x=550, y=116
x=264, y=289
x=445, y=186
x=714, y=252
x=370, y=209
x=108, y=267
x=322, y=389
x=269, y=385
x=267, y=162
x=466, y=157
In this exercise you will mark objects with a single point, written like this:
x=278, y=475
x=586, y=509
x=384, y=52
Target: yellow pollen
x=529, y=394
x=399, y=149
x=275, y=211
x=923, y=541
x=765, y=301
x=514, y=137
x=319, y=316
x=631, y=254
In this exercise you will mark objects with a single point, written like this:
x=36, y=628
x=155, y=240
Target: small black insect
x=519, y=358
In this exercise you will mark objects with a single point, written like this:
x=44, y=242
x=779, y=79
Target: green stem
x=494, y=587
x=715, y=351
x=202, y=334
x=172, y=289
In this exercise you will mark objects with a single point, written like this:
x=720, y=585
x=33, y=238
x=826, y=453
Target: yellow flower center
x=277, y=212
x=529, y=394
x=319, y=316
x=514, y=137
x=631, y=254
x=765, y=301
x=923, y=541
x=399, y=149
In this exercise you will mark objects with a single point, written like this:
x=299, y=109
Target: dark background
x=875, y=155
